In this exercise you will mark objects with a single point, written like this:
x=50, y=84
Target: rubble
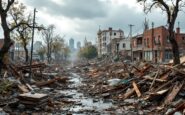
x=139, y=88
x=160, y=85
x=33, y=99
x=16, y=87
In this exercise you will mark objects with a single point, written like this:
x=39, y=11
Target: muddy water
x=83, y=104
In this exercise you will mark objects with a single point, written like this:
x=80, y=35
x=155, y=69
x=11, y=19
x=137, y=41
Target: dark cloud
x=89, y=14
x=120, y=18
x=83, y=9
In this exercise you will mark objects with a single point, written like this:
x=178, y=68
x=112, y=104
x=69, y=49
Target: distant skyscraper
x=71, y=44
x=78, y=45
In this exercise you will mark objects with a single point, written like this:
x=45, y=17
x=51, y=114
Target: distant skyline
x=74, y=43
x=79, y=18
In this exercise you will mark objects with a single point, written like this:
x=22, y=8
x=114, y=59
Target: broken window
x=167, y=39
x=183, y=38
x=123, y=45
x=157, y=40
x=145, y=42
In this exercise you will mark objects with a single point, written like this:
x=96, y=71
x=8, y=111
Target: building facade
x=137, y=47
x=71, y=44
x=154, y=45
x=78, y=45
x=108, y=41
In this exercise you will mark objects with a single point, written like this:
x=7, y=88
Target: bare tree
x=23, y=32
x=57, y=46
x=48, y=36
x=4, y=8
x=171, y=8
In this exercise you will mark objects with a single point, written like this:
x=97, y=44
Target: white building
x=124, y=44
x=125, y=47
x=108, y=40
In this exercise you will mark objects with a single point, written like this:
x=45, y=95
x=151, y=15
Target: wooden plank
x=173, y=93
x=23, y=88
x=129, y=93
x=40, y=65
x=178, y=108
x=136, y=89
x=29, y=86
x=5, y=74
x=155, y=95
x=151, y=79
x=32, y=97
x=154, y=79
x=165, y=84
x=44, y=83
x=165, y=74
x=136, y=68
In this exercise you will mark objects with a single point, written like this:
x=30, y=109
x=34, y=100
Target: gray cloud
x=120, y=18
x=89, y=14
x=83, y=9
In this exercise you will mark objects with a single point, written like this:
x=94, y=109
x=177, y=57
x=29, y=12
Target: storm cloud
x=82, y=9
x=80, y=18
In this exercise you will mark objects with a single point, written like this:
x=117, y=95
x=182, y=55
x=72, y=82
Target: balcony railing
x=139, y=46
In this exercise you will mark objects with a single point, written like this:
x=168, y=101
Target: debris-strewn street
x=92, y=57
x=94, y=87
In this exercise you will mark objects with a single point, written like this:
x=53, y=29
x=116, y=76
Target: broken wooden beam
x=33, y=99
x=165, y=84
x=49, y=82
x=44, y=83
x=136, y=89
x=178, y=108
x=151, y=79
x=23, y=88
x=40, y=65
x=171, y=96
x=129, y=93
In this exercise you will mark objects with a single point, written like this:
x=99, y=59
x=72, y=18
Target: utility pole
x=130, y=25
x=32, y=44
x=153, y=58
x=18, y=49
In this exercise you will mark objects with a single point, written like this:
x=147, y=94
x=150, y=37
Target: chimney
x=178, y=30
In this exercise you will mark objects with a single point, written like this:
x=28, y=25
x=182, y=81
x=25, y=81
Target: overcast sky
x=79, y=18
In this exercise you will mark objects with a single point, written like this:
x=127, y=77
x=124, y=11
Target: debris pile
x=139, y=88
x=24, y=92
x=157, y=88
x=32, y=100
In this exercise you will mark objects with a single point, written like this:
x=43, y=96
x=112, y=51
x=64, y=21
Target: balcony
x=137, y=47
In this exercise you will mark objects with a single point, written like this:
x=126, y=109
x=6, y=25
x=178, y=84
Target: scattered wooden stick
x=136, y=89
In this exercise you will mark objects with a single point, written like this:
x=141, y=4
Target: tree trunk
x=6, y=46
x=48, y=53
x=175, y=50
x=26, y=54
x=7, y=41
x=175, y=47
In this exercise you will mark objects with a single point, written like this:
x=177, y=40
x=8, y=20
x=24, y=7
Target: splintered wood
x=176, y=88
x=136, y=89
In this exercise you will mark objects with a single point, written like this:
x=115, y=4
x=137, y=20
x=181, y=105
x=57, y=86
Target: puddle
x=82, y=103
x=76, y=79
